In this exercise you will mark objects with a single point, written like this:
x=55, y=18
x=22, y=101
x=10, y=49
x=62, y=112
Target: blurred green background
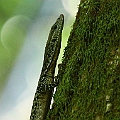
x=24, y=28
x=15, y=16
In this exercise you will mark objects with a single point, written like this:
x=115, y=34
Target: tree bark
x=89, y=76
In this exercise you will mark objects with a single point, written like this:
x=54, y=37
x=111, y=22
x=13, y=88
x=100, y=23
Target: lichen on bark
x=90, y=71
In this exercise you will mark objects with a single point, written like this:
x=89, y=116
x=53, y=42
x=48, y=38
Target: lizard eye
x=53, y=40
x=54, y=26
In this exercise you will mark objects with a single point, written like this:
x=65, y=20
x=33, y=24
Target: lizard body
x=46, y=83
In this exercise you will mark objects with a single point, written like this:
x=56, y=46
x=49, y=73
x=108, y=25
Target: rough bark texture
x=90, y=70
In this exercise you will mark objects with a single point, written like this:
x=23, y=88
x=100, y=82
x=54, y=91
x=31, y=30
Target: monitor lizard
x=46, y=83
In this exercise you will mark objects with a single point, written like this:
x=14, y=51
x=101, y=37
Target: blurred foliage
x=15, y=18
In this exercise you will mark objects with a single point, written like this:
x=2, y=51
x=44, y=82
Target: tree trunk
x=89, y=76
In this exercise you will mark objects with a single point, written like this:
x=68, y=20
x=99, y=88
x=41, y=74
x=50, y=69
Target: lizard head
x=56, y=30
x=53, y=45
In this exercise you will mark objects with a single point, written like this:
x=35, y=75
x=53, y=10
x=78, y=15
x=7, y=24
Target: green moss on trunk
x=90, y=71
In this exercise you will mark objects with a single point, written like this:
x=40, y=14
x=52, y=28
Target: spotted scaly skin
x=46, y=83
